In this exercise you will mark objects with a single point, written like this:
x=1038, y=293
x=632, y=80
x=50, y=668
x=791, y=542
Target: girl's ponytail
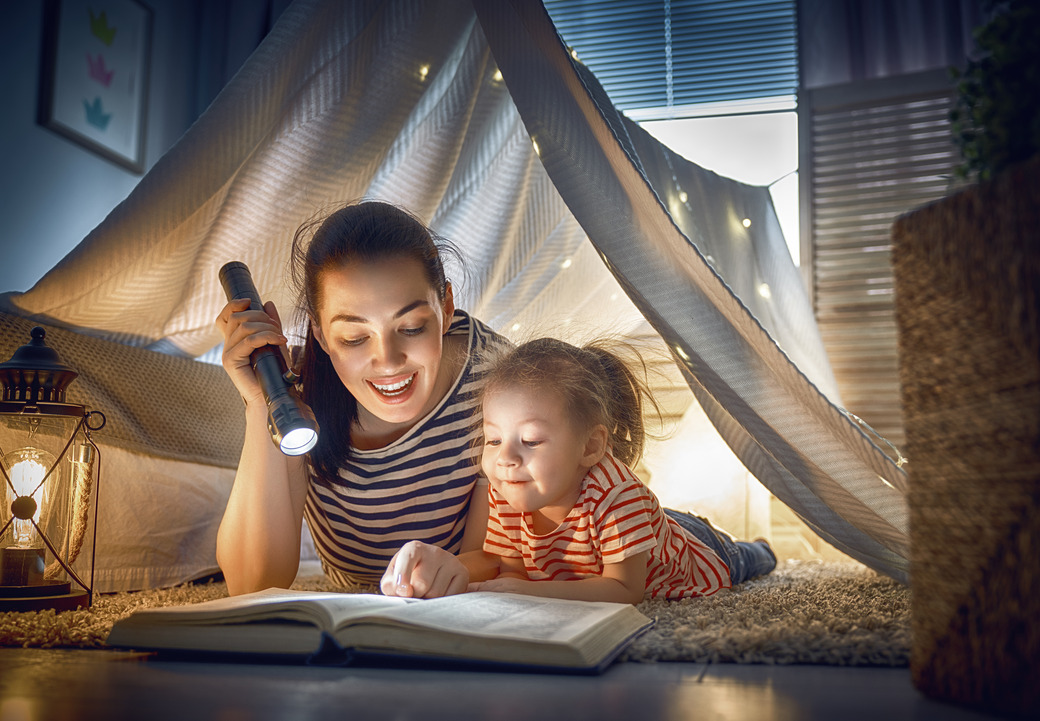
x=624, y=404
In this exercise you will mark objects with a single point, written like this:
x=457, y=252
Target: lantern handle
x=92, y=416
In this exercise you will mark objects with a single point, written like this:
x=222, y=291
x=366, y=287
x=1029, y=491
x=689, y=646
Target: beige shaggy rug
x=804, y=612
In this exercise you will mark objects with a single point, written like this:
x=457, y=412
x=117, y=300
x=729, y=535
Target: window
x=659, y=59
x=713, y=80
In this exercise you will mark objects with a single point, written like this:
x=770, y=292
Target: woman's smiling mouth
x=392, y=390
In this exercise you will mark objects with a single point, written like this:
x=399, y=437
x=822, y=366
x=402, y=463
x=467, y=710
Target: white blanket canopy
x=474, y=116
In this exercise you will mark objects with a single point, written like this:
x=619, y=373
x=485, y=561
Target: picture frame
x=94, y=76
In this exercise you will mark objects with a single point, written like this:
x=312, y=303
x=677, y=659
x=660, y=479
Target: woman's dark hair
x=597, y=385
x=359, y=232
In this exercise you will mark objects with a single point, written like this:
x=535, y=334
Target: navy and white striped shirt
x=416, y=488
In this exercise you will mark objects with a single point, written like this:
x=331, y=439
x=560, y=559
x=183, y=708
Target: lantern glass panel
x=40, y=462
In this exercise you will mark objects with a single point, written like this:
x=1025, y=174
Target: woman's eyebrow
x=348, y=318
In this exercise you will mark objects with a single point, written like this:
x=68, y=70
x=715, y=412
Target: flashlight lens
x=298, y=441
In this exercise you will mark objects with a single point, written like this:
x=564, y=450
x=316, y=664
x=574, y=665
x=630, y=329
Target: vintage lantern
x=48, y=499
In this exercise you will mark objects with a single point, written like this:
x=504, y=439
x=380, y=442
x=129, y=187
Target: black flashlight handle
x=268, y=363
x=292, y=424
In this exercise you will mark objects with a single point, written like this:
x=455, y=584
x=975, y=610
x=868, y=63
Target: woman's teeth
x=394, y=389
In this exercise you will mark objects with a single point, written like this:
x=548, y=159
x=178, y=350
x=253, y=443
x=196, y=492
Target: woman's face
x=382, y=325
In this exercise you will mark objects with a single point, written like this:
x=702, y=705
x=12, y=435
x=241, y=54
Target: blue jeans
x=746, y=559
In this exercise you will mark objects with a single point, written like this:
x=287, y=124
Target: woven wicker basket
x=967, y=278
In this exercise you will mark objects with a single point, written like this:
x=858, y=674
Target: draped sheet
x=557, y=202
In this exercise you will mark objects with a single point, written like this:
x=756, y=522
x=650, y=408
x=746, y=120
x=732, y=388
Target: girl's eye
x=532, y=444
x=414, y=331
x=492, y=442
x=350, y=342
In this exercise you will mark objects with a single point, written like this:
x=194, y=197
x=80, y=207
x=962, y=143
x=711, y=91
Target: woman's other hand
x=422, y=570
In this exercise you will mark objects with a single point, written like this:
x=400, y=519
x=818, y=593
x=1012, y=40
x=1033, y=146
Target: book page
x=474, y=626
x=505, y=615
x=323, y=609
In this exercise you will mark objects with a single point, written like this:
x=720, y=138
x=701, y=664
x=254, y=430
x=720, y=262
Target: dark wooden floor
x=68, y=685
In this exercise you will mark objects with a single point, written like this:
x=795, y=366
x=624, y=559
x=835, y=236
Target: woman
x=390, y=369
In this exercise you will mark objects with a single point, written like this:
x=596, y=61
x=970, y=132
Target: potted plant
x=967, y=293
x=996, y=119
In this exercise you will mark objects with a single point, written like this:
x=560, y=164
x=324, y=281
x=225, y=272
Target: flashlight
x=292, y=424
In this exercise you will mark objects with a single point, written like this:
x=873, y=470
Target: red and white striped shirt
x=615, y=517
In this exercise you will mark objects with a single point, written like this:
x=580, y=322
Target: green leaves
x=996, y=120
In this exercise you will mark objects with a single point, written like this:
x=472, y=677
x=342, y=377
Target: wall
x=53, y=190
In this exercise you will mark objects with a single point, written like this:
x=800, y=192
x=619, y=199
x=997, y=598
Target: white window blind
x=874, y=155
x=669, y=54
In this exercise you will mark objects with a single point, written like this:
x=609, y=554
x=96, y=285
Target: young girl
x=390, y=368
x=568, y=518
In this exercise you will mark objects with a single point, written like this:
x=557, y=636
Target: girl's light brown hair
x=597, y=383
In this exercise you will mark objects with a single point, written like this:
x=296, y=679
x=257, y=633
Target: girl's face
x=382, y=325
x=534, y=454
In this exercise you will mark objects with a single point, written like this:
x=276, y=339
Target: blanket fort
x=473, y=115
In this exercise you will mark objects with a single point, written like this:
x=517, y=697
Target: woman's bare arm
x=258, y=542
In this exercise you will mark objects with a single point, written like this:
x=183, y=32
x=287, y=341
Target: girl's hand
x=422, y=570
x=244, y=331
x=505, y=584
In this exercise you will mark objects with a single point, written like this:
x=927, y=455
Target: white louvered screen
x=872, y=159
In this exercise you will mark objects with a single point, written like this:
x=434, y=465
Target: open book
x=499, y=629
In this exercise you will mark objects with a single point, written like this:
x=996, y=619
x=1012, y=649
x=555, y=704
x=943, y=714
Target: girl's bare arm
x=622, y=582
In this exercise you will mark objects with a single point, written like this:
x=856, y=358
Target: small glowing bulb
x=26, y=472
x=515, y=327
x=681, y=353
x=683, y=197
x=746, y=222
x=574, y=53
x=566, y=264
x=537, y=150
x=613, y=296
x=497, y=77
x=424, y=71
x=763, y=290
